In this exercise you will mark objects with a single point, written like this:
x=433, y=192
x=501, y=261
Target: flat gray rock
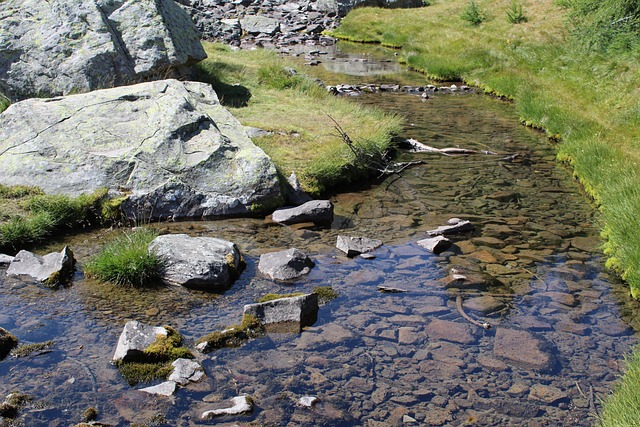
x=237, y=405
x=436, y=245
x=52, y=269
x=286, y=314
x=186, y=371
x=285, y=265
x=57, y=47
x=255, y=24
x=316, y=211
x=198, y=262
x=460, y=226
x=354, y=246
x=134, y=339
x=167, y=147
x=167, y=388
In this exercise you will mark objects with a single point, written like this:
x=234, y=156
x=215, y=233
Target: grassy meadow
x=263, y=91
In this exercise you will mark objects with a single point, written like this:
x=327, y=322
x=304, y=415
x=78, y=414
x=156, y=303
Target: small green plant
x=515, y=14
x=126, y=261
x=472, y=14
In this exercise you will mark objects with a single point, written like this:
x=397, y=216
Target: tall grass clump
x=515, y=13
x=607, y=25
x=126, y=261
x=622, y=407
x=472, y=13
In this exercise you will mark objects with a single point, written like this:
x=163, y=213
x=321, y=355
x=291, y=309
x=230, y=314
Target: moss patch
x=325, y=294
x=25, y=350
x=271, y=297
x=155, y=362
x=233, y=336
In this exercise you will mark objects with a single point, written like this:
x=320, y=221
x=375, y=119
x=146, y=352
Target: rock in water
x=134, y=339
x=168, y=147
x=524, y=350
x=52, y=269
x=354, y=246
x=7, y=343
x=166, y=388
x=286, y=314
x=316, y=211
x=185, y=371
x=239, y=405
x=58, y=47
x=436, y=245
x=285, y=265
x=198, y=262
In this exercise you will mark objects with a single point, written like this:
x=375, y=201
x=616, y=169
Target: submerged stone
x=52, y=269
x=523, y=349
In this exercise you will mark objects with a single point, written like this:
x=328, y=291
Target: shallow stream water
x=560, y=323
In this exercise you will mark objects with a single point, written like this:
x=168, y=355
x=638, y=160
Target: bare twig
x=419, y=147
x=485, y=325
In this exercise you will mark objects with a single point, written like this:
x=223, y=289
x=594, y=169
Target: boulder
x=459, y=226
x=436, y=245
x=238, y=405
x=316, y=211
x=286, y=314
x=198, y=262
x=52, y=269
x=285, y=265
x=7, y=343
x=186, y=371
x=168, y=148
x=59, y=47
x=135, y=338
x=255, y=24
x=354, y=246
x=524, y=350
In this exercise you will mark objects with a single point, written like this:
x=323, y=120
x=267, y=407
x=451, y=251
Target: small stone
x=459, y=227
x=450, y=331
x=285, y=265
x=354, y=246
x=407, y=419
x=185, y=371
x=166, y=388
x=367, y=256
x=239, y=405
x=436, y=245
x=546, y=394
x=307, y=401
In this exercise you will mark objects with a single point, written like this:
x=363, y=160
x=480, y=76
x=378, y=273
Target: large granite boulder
x=168, y=147
x=198, y=262
x=57, y=47
x=285, y=315
x=52, y=269
x=285, y=265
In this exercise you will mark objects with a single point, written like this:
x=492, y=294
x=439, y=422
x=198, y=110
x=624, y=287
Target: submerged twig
x=419, y=147
x=485, y=325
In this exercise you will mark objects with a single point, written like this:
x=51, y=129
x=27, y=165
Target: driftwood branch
x=374, y=161
x=419, y=147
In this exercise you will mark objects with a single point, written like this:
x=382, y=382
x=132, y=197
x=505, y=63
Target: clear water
x=371, y=358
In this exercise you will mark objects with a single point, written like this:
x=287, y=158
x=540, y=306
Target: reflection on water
x=560, y=322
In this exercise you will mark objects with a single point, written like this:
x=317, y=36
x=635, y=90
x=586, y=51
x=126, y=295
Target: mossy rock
x=232, y=336
x=271, y=297
x=325, y=294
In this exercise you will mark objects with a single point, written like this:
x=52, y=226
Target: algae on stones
x=325, y=294
x=232, y=336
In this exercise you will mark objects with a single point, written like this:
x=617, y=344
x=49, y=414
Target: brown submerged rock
x=523, y=350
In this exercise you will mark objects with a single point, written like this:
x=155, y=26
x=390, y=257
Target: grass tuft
x=622, y=407
x=126, y=261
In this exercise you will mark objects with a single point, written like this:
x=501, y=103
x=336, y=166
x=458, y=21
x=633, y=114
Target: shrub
x=126, y=261
x=515, y=14
x=473, y=14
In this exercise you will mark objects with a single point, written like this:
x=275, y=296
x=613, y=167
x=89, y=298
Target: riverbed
x=560, y=323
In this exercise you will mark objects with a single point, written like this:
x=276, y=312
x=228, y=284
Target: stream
x=561, y=323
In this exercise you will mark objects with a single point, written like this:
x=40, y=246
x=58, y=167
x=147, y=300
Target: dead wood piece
x=485, y=325
x=419, y=147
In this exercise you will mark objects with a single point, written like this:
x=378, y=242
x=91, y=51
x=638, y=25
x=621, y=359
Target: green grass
x=587, y=98
x=126, y=261
x=27, y=216
x=264, y=91
x=622, y=407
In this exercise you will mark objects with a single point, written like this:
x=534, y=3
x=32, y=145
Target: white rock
x=240, y=405
x=166, y=388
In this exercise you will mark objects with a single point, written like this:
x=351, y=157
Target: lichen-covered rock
x=52, y=269
x=57, y=47
x=285, y=265
x=198, y=262
x=135, y=338
x=285, y=314
x=168, y=147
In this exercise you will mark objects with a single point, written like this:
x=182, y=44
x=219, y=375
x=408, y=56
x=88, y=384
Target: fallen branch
x=419, y=147
x=485, y=325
